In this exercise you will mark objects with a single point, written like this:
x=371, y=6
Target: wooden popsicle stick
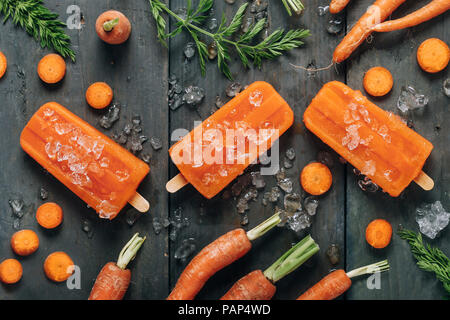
x=424, y=181
x=176, y=183
x=139, y=203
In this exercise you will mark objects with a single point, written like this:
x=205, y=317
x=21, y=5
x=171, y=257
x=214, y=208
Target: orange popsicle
x=214, y=153
x=376, y=142
x=94, y=167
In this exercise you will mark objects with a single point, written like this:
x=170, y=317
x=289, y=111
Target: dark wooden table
x=138, y=72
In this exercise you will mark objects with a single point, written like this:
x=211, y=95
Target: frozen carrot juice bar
x=94, y=167
x=376, y=142
x=219, y=149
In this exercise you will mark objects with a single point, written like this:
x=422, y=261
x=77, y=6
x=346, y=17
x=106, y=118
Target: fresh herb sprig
x=428, y=258
x=40, y=23
x=294, y=5
x=225, y=37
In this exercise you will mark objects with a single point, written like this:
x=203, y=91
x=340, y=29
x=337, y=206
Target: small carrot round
x=337, y=6
x=329, y=288
x=433, y=55
x=379, y=233
x=10, y=271
x=57, y=266
x=253, y=286
x=24, y=242
x=316, y=178
x=52, y=68
x=378, y=81
x=49, y=215
x=99, y=95
x=3, y=64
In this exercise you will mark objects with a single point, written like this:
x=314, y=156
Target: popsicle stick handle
x=424, y=181
x=176, y=183
x=139, y=203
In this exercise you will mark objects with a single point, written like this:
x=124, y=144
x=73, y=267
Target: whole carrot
x=337, y=6
x=216, y=256
x=337, y=282
x=428, y=12
x=375, y=14
x=260, y=286
x=113, y=280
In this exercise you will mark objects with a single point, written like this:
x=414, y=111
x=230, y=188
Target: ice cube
x=17, y=206
x=409, y=99
x=286, y=185
x=156, y=143
x=233, y=89
x=446, y=87
x=287, y=163
x=165, y=223
x=242, y=205
x=244, y=219
x=189, y=50
x=281, y=174
x=219, y=103
x=299, y=221
x=311, y=204
x=290, y=154
x=186, y=248
x=43, y=193
x=335, y=26
x=333, y=254
x=107, y=120
x=258, y=180
x=292, y=202
x=322, y=10
x=157, y=226
x=432, y=218
x=146, y=157
x=173, y=234
x=367, y=185
x=86, y=226
x=193, y=95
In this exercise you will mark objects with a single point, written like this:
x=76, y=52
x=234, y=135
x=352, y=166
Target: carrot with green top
x=337, y=282
x=216, y=256
x=113, y=280
x=258, y=285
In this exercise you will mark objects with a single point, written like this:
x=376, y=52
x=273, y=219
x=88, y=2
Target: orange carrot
x=337, y=282
x=3, y=64
x=378, y=81
x=49, y=215
x=52, y=68
x=58, y=266
x=379, y=233
x=99, y=95
x=10, y=271
x=316, y=178
x=378, y=12
x=24, y=242
x=113, y=27
x=428, y=12
x=113, y=280
x=254, y=286
x=433, y=55
x=337, y=6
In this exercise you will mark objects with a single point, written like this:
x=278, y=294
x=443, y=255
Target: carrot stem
x=129, y=251
x=292, y=259
x=265, y=226
x=371, y=268
x=110, y=24
x=296, y=5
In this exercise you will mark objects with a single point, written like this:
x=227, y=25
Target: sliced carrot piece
x=10, y=271
x=3, y=64
x=378, y=81
x=379, y=233
x=24, y=242
x=316, y=178
x=433, y=55
x=52, y=68
x=99, y=95
x=49, y=215
x=57, y=266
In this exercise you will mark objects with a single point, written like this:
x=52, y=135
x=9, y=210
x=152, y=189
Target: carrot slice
x=10, y=271
x=24, y=242
x=379, y=233
x=378, y=81
x=52, y=68
x=316, y=178
x=57, y=266
x=49, y=215
x=99, y=95
x=433, y=55
x=3, y=64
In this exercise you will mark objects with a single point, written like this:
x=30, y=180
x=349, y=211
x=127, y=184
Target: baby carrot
x=24, y=242
x=337, y=282
x=337, y=6
x=10, y=271
x=433, y=55
x=3, y=64
x=316, y=178
x=57, y=266
x=379, y=233
x=99, y=95
x=378, y=81
x=49, y=215
x=52, y=68
x=216, y=256
x=113, y=280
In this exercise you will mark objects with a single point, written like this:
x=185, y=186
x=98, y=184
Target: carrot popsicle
x=376, y=142
x=214, y=153
x=94, y=167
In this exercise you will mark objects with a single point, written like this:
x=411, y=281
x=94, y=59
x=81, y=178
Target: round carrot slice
x=57, y=266
x=10, y=271
x=379, y=233
x=99, y=95
x=3, y=64
x=24, y=242
x=52, y=68
x=433, y=55
x=378, y=81
x=49, y=215
x=316, y=178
